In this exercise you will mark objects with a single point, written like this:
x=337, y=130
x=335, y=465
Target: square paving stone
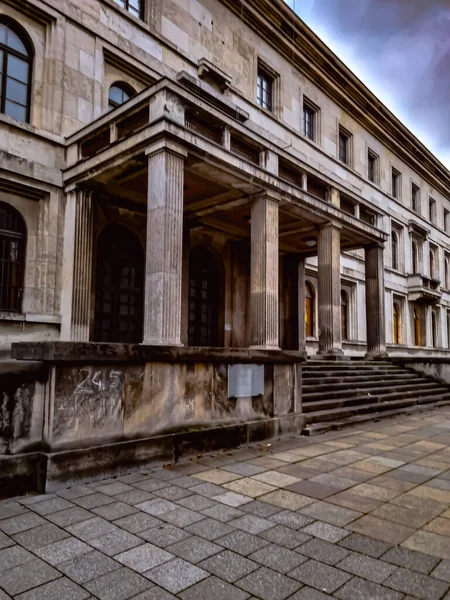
x=354, y=501
x=233, y=499
x=283, y=536
x=213, y=588
x=312, y=489
x=439, y=525
x=287, y=499
x=222, y=512
x=121, y=584
x=325, y=531
x=277, y=558
x=64, y=518
x=150, y=485
x=291, y=519
x=416, y=584
x=56, y=590
x=182, y=517
x=416, y=561
x=116, y=542
x=164, y=535
x=185, y=481
x=210, y=529
x=335, y=481
x=360, y=589
x=26, y=576
x=442, y=571
x=260, y=509
x=112, y=489
x=229, y=566
x=12, y=557
x=307, y=593
x=145, y=557
x=21, y=522
x=5, y=541
x=176, y=575
x=10, y=508
x=322, y=551
x=172, y=492
x=77, y=491
x=276, y=479
x=320, y=576
x=63, y=550
x=157, y=507
x=268, y=585
x=113, y=511
x=196, y=502
x=88, y=566
x=244, y=469
x=47, y=507
x=217, y=476
x=155, y=593
x=93, y=501
x=134, y=497
x=253, y=524
x=40, y=536
x=138, y=522
x=365, y=545
x=429, y=543
x=387, y=531
x=330, y=513
x=242, y=542
x=92, y=528
x=194, y=549
x=366, y=567
x=402, y=514
x=210, y=490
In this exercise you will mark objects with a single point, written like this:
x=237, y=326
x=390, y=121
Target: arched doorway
x=119, y=286
x=344, y=315
x=204, y=284
x=12, y=258
x=417, y=337
x=397, y=324
x=309, y=309
x=434, y=328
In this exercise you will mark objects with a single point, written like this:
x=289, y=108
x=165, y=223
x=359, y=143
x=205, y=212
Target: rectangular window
x=415, y=198
x=372, y=166
x=132, y=6
x=309, y=120
x=395, y=187
x=344, y=146
x=446, y=220
x=264, y=88
x=432, y=210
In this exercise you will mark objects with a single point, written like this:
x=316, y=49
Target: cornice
x=280, y=27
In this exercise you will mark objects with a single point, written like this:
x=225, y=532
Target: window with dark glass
x=119, y=93
x=344, y=315
x=132, y=6
x=203, y=320
x=309, y=121
x=344, y=146
x=397, y=323
x=16, y=59
x=415, y=198
x=394, y=241
x=372, y=166
x=432, y=264
x=264, y=88
x=415, y=257
x=434, y=328
x=12, y=258
x=395, y=185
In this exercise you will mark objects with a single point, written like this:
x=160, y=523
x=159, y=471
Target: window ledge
x=29, y=317
x=5, y=120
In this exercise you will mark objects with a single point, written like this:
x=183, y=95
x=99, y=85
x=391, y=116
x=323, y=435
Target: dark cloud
x=404, y=45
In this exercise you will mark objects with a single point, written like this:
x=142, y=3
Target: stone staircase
x=340, y=393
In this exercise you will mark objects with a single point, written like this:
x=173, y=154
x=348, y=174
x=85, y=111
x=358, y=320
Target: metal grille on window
x=203, y=299
x=12, y=258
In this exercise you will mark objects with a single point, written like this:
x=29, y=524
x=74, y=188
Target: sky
x=400, y=49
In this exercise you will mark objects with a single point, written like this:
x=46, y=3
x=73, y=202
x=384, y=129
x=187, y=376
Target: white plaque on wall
x=245, y=380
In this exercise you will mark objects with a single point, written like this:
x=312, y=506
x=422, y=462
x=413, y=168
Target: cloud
x=401, y=50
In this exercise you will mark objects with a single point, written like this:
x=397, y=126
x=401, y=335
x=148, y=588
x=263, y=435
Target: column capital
x=166, y=145
x=373, y=245
x=330, y=225
x=266, y=195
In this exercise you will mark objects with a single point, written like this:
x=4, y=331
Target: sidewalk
x=361, y=514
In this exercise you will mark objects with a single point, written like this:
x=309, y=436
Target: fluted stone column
x=163, y=263
x=329, y=291
x=77, y=266
x=264, y=301
x=375, y=309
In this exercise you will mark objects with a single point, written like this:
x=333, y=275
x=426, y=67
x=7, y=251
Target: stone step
x=355, y=390
x=344, y=380
x=308, y=373
x=324, y=426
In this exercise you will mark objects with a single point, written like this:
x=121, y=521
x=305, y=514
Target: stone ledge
x=102, y=352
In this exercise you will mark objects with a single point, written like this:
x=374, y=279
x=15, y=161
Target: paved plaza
x=359, y=514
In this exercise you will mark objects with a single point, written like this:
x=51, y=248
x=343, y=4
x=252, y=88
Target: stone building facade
x=207, y=174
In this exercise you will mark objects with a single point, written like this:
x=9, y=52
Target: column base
x=160, y=343
x=264, y=348
x=331, y=355
x=376, y=355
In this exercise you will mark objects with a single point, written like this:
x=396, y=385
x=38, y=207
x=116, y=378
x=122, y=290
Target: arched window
x=431, y=263
x=344, y=315
x=204, y=290
x=415, y=257
x=12, y=258
x=16, y=61
x=434, y=328
x=394, y=242
x=309, y=309
x=417, y=337
x=119, y=286
x=397, y=324
x=119, y=93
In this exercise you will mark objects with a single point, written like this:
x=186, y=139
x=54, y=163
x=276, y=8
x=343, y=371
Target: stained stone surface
x=209, y=529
